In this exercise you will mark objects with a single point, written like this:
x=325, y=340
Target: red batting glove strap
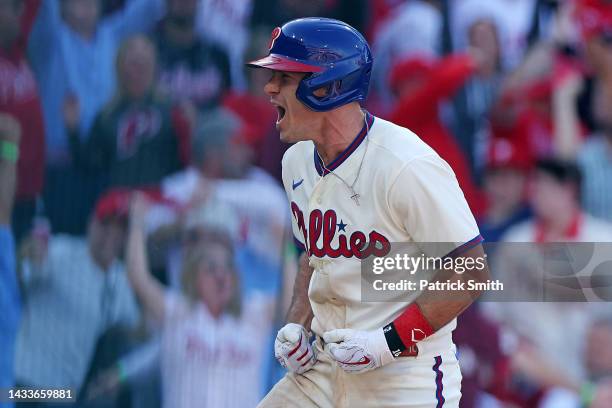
x=412, y=327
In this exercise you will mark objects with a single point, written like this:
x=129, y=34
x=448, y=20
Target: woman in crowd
x=207, y=358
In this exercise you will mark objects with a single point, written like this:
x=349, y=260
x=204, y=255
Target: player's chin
x=286, y=136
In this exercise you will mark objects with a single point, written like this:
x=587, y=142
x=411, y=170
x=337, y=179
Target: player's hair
x=192, y=260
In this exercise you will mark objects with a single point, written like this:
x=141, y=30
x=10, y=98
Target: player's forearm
x=441, y=307
x=435, y=309
x=300, y=311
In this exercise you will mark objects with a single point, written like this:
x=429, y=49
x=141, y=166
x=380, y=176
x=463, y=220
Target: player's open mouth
x=281, y=113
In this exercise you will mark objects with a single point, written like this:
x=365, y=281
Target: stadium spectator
x=558, y=217
x=595, y=157
x=424, y=23
x=505, y=188
x=555, y=199
x=598, y=362
x=221, y=168
x=190, y=68
x=498, y=368
x=598, y=356
x=213, y=20
x=421, y=84
x=208, y=337
x=10, y=303
x=74, y=289
x=473, y=102
x=595, y=160
x=73, y=52
x=223, y=186
x=593, y=19
x=537, y=105
x=138, y=138
x=513, y=18
x=19, y=98
x=72, y=49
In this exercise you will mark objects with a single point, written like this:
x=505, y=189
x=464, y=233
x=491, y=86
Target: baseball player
x=357, y=183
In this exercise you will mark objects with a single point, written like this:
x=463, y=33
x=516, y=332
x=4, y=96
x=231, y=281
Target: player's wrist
x=394, y=342
x=407, y=330
x=381, y=347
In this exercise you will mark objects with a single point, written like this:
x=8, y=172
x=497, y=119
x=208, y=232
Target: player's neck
x=339, y=130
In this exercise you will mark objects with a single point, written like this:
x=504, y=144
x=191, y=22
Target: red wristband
x=412, y=327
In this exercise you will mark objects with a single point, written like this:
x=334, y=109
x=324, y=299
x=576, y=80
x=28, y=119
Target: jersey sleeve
x=298, y=238
x=426, y=200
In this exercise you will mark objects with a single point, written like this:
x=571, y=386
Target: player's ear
x=321, y=92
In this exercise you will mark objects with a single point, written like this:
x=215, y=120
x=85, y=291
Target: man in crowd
x=190, y=69
x=222, y=169
x=595, y=157
x=74, y=289
x=19, y=98
x=505, y=187
x=73, y=49
x=138, y=138
x=556, y=329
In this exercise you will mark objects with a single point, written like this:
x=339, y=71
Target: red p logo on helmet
x=275, y=34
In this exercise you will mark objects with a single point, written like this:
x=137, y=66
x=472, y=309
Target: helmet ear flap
x=344, y=83
x=331, y=90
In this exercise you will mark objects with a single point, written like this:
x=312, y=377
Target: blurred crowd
x=146, y=256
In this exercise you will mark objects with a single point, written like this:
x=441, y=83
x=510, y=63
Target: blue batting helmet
x=335, y=55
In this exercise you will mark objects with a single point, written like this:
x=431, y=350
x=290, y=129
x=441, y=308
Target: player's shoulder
x=298, y=151
x=298, y=156
x=397, y=144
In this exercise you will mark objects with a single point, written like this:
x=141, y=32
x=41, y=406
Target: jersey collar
x=347, y=152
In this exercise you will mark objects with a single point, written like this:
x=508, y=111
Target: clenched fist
x=293, y=350
x=357, y=351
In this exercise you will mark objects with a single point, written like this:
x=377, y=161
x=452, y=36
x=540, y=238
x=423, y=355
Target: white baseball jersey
x=208, y=362
x=408, y=194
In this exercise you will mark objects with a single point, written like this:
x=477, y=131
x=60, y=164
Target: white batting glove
x=358, y=351
x=293, y=350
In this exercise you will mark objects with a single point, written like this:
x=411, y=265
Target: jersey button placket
x=316, y=197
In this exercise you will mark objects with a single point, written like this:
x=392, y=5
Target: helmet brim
x=281, y=63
